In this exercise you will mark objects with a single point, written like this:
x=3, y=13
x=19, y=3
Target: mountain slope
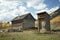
x=55, y=20
x=54, y=14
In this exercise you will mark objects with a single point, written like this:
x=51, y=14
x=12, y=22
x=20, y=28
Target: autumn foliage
x=5, y=25
x=55, y=20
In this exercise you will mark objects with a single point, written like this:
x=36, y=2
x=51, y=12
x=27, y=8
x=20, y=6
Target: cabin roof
x=22, y=17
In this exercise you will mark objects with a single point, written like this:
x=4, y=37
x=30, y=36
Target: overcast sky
x=12, y=8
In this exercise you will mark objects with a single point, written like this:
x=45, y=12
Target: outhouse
x=43, y=22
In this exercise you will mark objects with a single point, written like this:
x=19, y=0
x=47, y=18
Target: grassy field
x=28, y=35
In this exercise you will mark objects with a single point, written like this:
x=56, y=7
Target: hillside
x=55, y=19
x=55, y=14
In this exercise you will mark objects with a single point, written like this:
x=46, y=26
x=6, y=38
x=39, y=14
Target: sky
x=10, y=9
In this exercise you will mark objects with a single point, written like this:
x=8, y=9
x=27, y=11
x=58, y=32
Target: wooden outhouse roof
x=42, y=13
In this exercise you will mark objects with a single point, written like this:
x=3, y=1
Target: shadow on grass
x=56, y=30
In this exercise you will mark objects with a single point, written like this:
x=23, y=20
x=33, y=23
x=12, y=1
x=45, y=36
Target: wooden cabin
x=25, y=21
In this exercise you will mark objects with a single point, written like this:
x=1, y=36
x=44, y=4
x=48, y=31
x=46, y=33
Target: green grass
x=28, y=35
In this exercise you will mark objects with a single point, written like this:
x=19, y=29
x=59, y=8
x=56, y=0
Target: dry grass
x=29, y=35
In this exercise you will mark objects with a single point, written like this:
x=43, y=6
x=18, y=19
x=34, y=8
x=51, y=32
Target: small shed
x=43, y=21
